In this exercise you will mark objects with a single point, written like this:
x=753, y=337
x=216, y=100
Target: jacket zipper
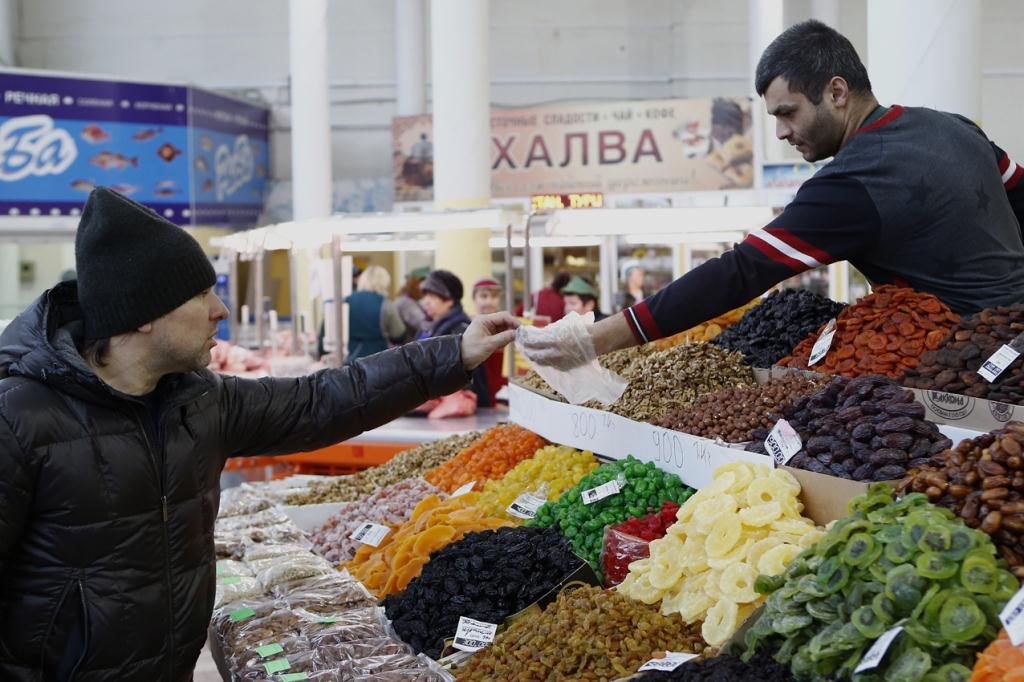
x=85, y=629
x=159, y=467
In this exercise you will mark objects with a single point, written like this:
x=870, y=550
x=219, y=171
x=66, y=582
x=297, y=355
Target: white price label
x=463, y=489
x=370, y=534
x=824, y=342
x=783, y=442
x=473, y=635
x=877, y=651
x=672, y=660
x=997, y=363
x=525, y=506
x=600, y=492
x=1012, y=616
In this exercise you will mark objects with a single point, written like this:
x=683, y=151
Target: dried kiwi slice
x=889, y=533
x=951, y=672
x=824, y=609
x=912, y=664
x=937, y=538
x=960, y=619
x=884, y=608
x=914, y=528
x=961, y=541
x=788, y=625
x=935, y=566
x=861, y=549
x=898, y=552
x=867, y=622
x=905, y=587
x=979, y=573
x=766, y=584
x=1008, y=586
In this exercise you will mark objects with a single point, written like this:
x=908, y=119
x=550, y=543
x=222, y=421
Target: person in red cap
x=487, y=298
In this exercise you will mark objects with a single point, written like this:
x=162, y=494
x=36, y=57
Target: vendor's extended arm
x=829, y=220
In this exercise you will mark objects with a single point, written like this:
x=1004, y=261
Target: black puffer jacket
x=106, y=522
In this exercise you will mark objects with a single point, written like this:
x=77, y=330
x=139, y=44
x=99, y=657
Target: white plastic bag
x=563, y=355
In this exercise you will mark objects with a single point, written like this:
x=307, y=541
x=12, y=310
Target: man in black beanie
x=113, y=435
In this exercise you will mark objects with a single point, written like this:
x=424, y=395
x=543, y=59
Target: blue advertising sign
x=60, y=136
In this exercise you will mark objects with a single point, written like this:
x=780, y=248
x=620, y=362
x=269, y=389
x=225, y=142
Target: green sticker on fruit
x=230, y=580
x=269, y=650
x=241, y=614
x=294, y=677
x=277, y=666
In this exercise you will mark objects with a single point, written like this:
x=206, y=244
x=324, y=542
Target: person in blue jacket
x=373, y=320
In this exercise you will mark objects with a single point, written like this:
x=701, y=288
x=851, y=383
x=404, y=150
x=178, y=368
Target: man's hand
x=485, y=335
x=574, y=343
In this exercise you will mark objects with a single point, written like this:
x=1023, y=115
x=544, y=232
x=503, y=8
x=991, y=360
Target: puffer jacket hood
x=107, y=509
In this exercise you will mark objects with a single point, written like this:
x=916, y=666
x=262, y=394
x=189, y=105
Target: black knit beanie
x=133, y=266
x=443, y=283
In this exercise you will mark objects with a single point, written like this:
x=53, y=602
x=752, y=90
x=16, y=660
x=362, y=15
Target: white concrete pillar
x=460, y=62
x=7, y=20
x=765, y=22
x=827, y=12
x=311, y=134
x=926, y=53
x=410, y=58
x=10, y=294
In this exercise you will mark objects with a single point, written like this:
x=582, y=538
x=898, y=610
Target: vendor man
x=912, y=197
x=581, y=298
x=487, y=378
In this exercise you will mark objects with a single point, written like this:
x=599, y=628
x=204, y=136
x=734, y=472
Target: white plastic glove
x=563, y=355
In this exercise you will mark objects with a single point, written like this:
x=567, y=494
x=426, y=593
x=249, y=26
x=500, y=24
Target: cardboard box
x=965, y=412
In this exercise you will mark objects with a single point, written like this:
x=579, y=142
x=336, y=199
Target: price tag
x=241, y=614
x=220, y=569
x=997, y=363
x=672, y=660
x=473, y=635
x=294, y=677
x=463, y=489
x=824, y=342
x=269, y=650
x=1012, y=616
x=877, y=651
x=370, y=534
x=230, y=580
x=783, y=442
x=600, y=492
x=525, y=506
x=277, y=666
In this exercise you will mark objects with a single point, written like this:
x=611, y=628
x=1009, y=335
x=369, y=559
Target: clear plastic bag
x=243, y=500
x=231, y=588
x=337, y=598
x=300, y=662
x=228, y=622
x=255, y=552
x=332, y=656
x=563, y=355
x=226, y=567
x=290, y=568
x=618, y=550
x=260, y=519
x=262, y=651
x=343, y=627
x=314, y=584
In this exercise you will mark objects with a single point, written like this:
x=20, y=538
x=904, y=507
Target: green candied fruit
x=912, y=664
x=935, y=566
x=899, y=553
x=951, y=672
x=867, y=622
x=961, y=541
x=933, y=608
x=979, y=574
x=861, y=549
x=936, y=538
x=766, y=584
x=889, y=534
x=802, y=665
x=905, y=587
x=1008, y=586
x=884, y=608
x=914, y=528
x=960, y=619
x=788, y=625
x=826, y=609
x=924, y=636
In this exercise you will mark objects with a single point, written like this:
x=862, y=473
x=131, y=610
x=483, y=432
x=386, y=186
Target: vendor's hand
x=485, y=335
x=562, y=345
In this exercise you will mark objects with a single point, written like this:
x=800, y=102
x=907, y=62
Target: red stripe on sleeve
x=632, y=327
x=1004, y=163
x=800, y=245
x=776, y=255
x=1015, y=178
x=894, y=113
x=643, y=314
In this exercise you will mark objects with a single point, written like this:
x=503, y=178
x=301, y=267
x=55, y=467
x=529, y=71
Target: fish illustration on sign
x=147, y=134
x=83, y=185
x=107, y=160
x=125, y=189
x=166, y=188
x=168, y=152
x=201, y=165
x=93, y=134
x=207, y=185
x=206, y=143
x=261, y=171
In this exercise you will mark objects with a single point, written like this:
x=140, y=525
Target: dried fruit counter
x=655, y=538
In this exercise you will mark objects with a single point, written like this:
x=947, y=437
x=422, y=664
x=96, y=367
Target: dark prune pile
x=486, y=576
x=865, y=429
x=770, y=331
x=761, y=668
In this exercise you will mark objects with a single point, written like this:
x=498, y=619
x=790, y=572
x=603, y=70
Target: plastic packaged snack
x=266, y=517
x=341, y=596
x=292, y=567
x=231, y=588
x=332, y=656
x=343, y=627
x=312, y=584
x=232, y=567
x=265, y=550
x=242, y=501
x=627, y=542
x=258, y=653
x=227, y=623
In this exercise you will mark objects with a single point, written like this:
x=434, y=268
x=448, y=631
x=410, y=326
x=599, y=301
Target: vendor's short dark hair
x=95, y=351
x=808, y=55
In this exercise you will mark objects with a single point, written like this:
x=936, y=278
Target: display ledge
x=418, y=430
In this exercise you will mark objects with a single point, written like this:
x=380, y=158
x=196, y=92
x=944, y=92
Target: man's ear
x=838, y=92
x=146, y=328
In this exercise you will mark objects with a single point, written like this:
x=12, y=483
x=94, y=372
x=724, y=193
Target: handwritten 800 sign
x=584, y=425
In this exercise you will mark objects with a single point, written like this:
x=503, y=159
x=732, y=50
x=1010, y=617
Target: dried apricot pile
x=390, y=566
x=883, y=333
x=489, y=457
x=1001, y=661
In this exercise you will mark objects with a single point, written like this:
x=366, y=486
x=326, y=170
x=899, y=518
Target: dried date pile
x=733, y=414
x=672, y=379
x=771, y=330
x=886, y=332
x=954, y=367
x=982, y=480
x=486, y=576
x=585, y=634
x=865, y=429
